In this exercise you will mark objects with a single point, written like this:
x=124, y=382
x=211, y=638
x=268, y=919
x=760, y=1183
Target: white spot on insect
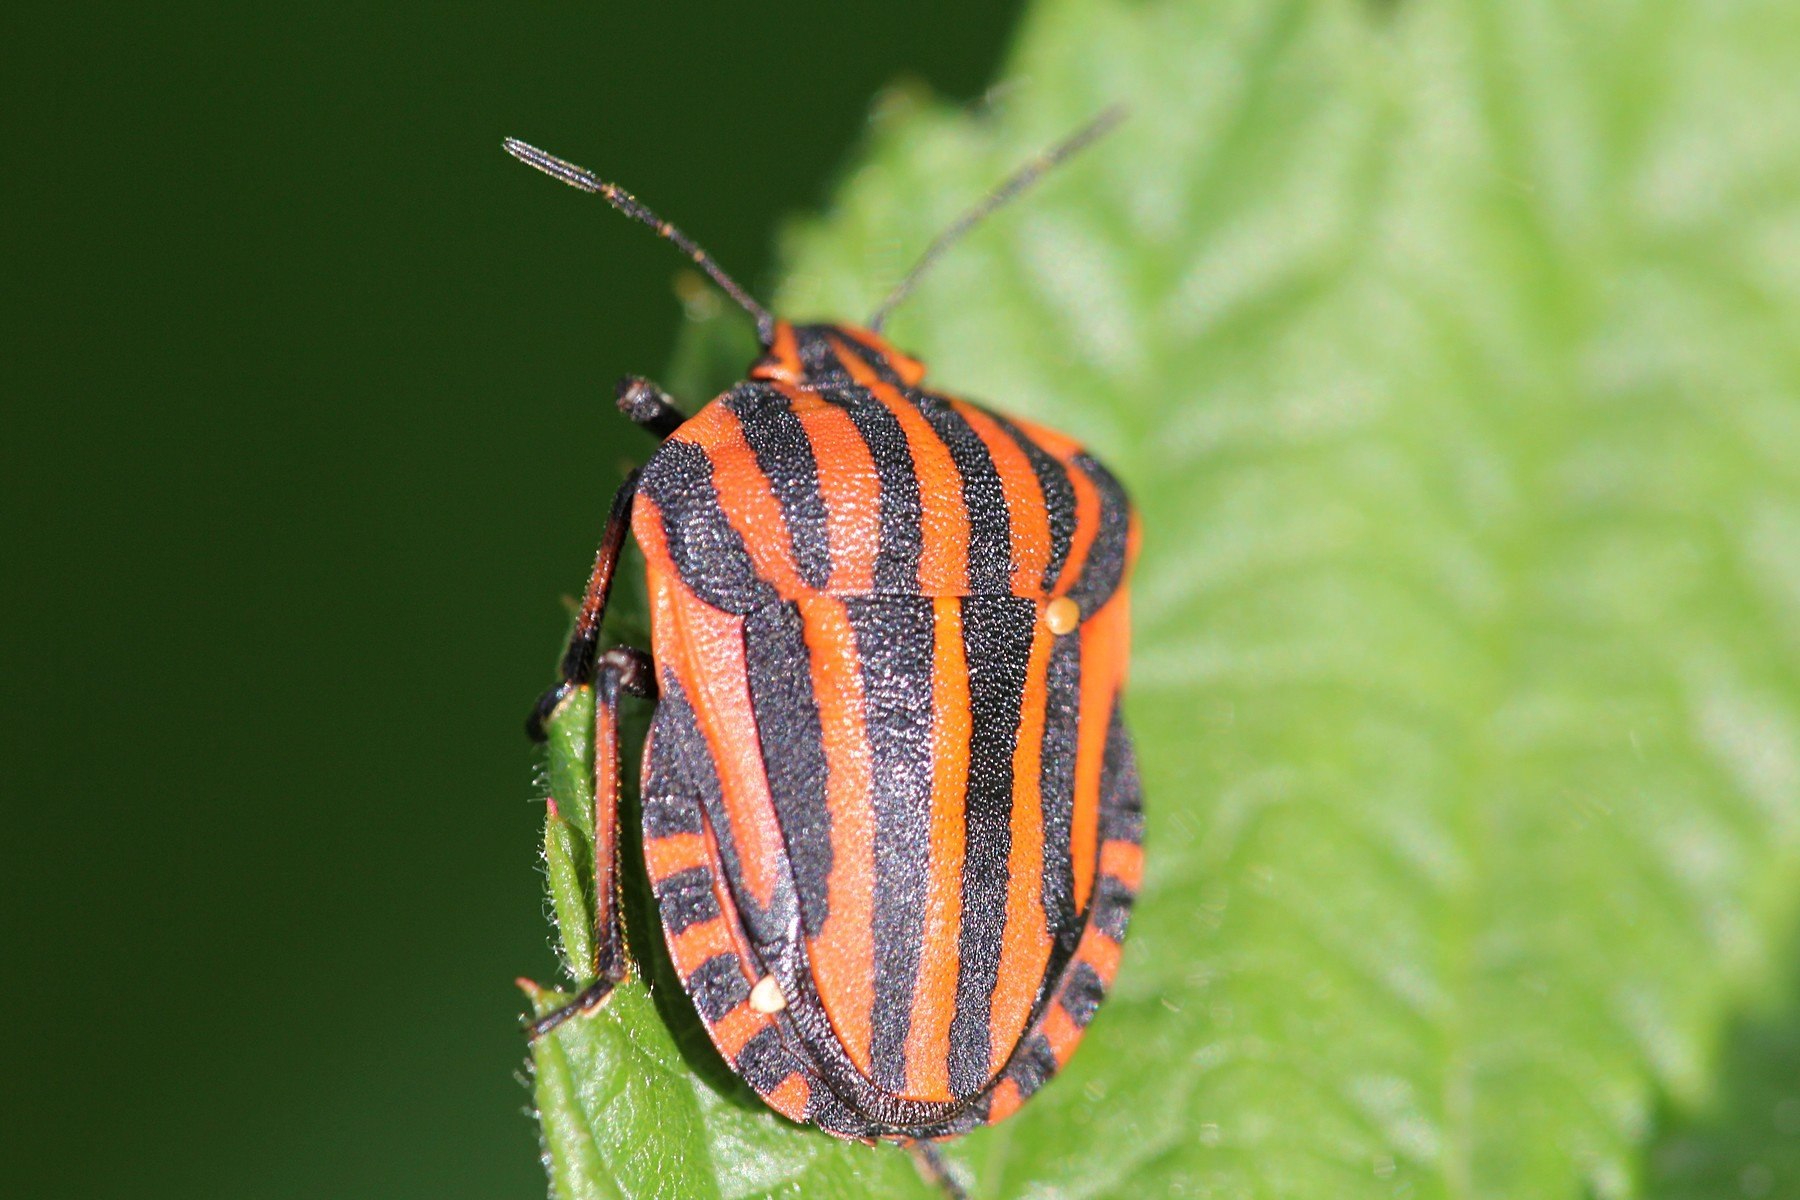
x=766, y=997
x=1062, y=615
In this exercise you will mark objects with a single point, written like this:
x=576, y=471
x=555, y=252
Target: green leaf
x=1452, y=353
x=569, y=828
x=633, y=1101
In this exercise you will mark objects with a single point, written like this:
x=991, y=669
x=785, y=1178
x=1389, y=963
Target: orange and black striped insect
x=890, y=808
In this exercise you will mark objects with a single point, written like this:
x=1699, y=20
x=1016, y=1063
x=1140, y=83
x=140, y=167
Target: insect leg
x=582, y=656
x=621, y=669
x=649, y=406
x=936, y=1170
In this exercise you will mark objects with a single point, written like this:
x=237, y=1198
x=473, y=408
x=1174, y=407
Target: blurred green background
x=309, y=427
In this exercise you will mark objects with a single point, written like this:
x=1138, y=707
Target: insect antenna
x=1027, y=175
x=625, y=202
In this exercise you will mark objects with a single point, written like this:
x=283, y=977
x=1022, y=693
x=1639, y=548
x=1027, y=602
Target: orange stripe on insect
x=749, y=503
x=705, y=649
x=1026, y=514
x=1063, y=449
x=722, y=935
x=699, y=942
x=789, y=1097
x=666, y=856
x=733, y=1031
x=1004, y=1101
x=1105, y=644
x=1087, y=527
x=850, y=486
x=1025, y=945
x=1101, y=953
x=843, y=955
x=943, y=516
x=722, y=898
x=934, y=1003
x=1061, y=1031
x=1124, y=861
x=647, y=528
x=1059, y=446
x=782, y=362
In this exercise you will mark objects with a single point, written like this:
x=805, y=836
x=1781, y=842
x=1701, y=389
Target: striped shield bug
x=890, y=809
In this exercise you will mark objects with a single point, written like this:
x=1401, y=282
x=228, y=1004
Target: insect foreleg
x=620, y=670
x=935, y=1169
x=582, y=656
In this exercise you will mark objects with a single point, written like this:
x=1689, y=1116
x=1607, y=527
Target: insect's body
x=879, y=771
x=891, y=813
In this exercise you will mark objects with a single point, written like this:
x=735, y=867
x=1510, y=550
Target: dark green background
x=308, y=428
